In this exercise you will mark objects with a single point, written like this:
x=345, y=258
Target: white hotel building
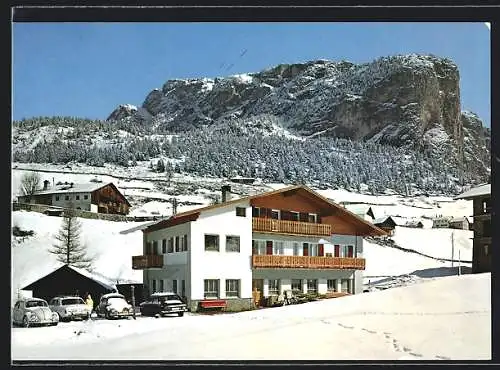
x=243, y=250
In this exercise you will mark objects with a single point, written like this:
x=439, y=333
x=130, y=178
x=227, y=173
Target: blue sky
x=87, y=69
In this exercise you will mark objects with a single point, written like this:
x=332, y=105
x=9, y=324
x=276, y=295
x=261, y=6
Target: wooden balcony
x=290, y=227
x=147, y=261
x=307, y=262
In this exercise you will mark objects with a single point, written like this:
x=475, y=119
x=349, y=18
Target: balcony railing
x=147, y=261
x=307, y=262
x=290, y=227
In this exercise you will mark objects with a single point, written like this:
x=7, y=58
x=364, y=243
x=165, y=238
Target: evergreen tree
x=68, y=248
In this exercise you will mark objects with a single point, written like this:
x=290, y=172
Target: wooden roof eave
x=172, y=221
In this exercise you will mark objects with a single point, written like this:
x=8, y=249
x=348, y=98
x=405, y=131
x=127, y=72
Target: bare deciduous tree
x=30, y=183
x=69, y=249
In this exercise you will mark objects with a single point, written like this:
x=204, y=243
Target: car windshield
x=36, y=304
x=68, y=301
x=115, y=300
x=172, y=297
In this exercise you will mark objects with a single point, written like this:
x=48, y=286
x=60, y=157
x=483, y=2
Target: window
x=77, y=197
x=255, y=212
x=312, y=286
x=296, y=286
x=344, y=285
x=274, y=287
x=212, y=243
x=174, y=286
x=177, y=244
x=161, y=285
x=296, y=249
x=164, y=246
x=232, y=243
x=155, y=247
x=331, y=285
x=312, y=218
x=153, y=284
x=328, y=255
x=241, y=211
x=183, y=288
x=232, y=288
x=57, y=197
x=211, y=288
x=148, y=247
x=275, y=214
x=170, y=246
x=184, y=243
x=337, y=250
x=278, y=248
x=313, y=249
x=66, y=197
x=258, y=247
x=294, y=216
x=85, y=197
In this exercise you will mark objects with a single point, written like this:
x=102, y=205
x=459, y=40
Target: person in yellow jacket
x=89, y=302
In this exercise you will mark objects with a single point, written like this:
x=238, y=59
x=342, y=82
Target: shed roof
x=475, y=192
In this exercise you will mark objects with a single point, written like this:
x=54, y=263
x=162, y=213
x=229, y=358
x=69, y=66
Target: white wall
x=175, y=265
x=286, y=275
x=83, y=204
x=221, y=265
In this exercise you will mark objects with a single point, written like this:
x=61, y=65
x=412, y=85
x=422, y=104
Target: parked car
x=33, y=312
x=161, y=304
x=70, y=308
x=114, y=305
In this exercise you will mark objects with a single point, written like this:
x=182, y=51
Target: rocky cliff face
x=407, y=100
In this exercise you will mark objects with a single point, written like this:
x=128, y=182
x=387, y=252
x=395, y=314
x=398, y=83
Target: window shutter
x=337, y=250
x=305, y=249
x=254, y=247
x=304, y=217
x=269, y=247
x=285, y=215
x=321, y=250
x=350, y=251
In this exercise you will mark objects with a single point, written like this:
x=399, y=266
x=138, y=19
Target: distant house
x=362, y=210
x=386, y=223
x=482, y=242
x=440, y=222
x=93, y=197
x=415, y=224
x=242, y=180
x=461, y=223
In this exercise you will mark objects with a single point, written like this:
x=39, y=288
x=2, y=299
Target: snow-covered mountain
x=394, y=123
x=403, y=100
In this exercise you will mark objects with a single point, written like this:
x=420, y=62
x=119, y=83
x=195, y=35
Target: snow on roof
x=75, y=188
x=98, y=278
x=358, y=209
x=382, y=219
x=476, y=192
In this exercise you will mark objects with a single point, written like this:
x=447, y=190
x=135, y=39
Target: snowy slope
x=407, y=323
x=113, y=251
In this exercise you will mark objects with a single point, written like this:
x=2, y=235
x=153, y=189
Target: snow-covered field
x=409, y=322
x=405, y=323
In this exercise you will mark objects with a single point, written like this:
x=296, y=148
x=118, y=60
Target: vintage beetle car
x=161, y=304
x=114, y=305
x=70, y=308
x=33, y=312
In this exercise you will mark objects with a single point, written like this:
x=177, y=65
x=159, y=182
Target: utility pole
x=459, y=265
x=452, y=250
x=132, y=288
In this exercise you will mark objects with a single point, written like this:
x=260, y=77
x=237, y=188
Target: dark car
x=161, y=304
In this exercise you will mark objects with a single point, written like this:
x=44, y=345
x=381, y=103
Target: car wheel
x=26, y=322
x=181, y=314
